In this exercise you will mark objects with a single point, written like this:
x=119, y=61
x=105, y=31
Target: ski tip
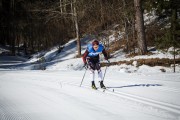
x=94, y=88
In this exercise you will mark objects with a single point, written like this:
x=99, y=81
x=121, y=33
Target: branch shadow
x=137, y=85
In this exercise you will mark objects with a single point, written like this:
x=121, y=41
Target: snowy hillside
x=133, y=93
x=66, y=59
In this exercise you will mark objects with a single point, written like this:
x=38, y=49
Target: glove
x=108, y=61
x=85, y=66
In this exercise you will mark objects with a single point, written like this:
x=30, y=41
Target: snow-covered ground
x=56, y=95
x=66, y=60
x=133, y=93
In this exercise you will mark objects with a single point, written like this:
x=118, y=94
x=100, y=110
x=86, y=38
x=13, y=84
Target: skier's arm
x=105, y=54
x=84, y=56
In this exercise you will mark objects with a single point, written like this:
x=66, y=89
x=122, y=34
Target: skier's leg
x=98, y=68
x=100, y=75
x=92, y=73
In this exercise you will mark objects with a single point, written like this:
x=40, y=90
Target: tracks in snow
x=151, y=102
x=175, y=109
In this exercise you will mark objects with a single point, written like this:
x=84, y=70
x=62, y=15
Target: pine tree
x=140, y=27
x=168, y=8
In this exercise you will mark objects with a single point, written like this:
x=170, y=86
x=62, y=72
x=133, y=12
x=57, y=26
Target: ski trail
x=151, y=102
x=25, y=96
x=48, y=103
x=78, y=103
x=8, y=111
x=169, y=89
x=158, y=104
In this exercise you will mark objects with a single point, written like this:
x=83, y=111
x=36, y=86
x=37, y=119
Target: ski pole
x=83, y=77
x=105, y=72
x=84, y=72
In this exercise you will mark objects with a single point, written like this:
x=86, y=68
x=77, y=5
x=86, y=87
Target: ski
x=107, y=89
x=100, y=89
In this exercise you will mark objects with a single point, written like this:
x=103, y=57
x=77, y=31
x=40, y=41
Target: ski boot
x=102, y=85
x=93, y=85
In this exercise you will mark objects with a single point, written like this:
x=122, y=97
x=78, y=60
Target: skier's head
x=95, y=44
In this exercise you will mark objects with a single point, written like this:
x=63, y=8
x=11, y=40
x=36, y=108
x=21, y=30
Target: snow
x=3, y=49
x=120, y=55
x=150, y=17
x=45, y=95
x=138, y=93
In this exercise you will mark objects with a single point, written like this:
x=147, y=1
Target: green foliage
x=159, y=5
x=164, y=41
x=167, y=12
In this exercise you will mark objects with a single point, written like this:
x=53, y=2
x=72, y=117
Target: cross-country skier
x=91, y=61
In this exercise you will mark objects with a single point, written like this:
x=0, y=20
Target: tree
x=174, y=27
x=140, y=27
x=77, y=28
x=169, y=10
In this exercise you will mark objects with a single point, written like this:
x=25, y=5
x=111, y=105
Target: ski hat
x=95, y=42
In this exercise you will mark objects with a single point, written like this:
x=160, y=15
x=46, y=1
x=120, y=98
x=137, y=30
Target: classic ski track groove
x=159, y=104
x=169, y=89
x=7, y=114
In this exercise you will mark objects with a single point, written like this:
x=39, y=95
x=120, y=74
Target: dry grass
x=150, y=62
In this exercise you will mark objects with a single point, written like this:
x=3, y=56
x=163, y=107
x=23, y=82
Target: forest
x=35, y=25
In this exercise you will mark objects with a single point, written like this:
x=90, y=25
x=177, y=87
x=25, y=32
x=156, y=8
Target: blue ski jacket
x=90, y=53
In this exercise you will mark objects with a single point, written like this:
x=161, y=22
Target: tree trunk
x=77, y=30
x=12, y=30
x=173, y=29
x=140, y=27
x=25, y=47
x=133, y=35
x=13, y=50
x=60, y=5
x=126, y=27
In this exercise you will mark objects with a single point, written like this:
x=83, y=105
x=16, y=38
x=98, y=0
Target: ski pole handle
x=108, y=61
x=85, y=66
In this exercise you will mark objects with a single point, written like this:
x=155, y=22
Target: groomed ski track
x=56, y=95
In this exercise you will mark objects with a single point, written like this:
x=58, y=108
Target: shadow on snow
x=137, y=85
